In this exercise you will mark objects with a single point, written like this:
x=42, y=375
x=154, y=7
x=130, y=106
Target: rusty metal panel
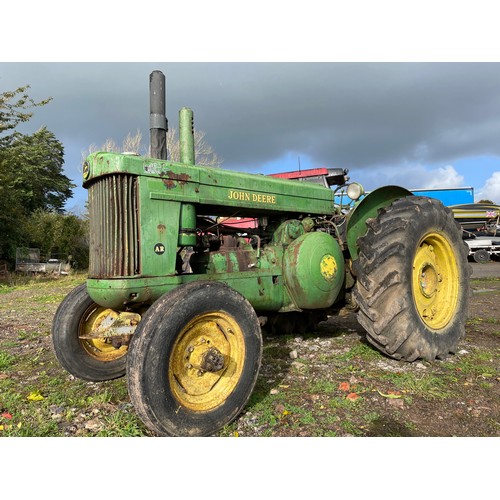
x=114, y=227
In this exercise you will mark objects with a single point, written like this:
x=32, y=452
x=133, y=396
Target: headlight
x=355, y=191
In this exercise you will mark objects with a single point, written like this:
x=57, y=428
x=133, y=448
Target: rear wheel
x=81, y=352
x=413, y=280
x=194, y=360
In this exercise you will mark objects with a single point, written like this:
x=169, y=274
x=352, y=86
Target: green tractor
x=177, y=293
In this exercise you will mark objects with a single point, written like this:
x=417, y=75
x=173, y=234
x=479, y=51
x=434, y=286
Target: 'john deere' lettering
x=255, y=197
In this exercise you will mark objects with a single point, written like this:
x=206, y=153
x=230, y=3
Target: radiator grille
x=114, y=227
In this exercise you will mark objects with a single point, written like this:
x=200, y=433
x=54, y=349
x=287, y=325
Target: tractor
x=178, y=294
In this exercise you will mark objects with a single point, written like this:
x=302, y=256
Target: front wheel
x=413, y=280
x=79, y=350
x=194, y=360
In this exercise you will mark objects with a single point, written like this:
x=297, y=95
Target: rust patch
x=261, y=286
x=161, y=228
x=170, y=178
x=169, y=184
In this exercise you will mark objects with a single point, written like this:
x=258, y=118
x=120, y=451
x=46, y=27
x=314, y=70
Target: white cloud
x=491, y=189
x=410, y=177
x=443, y=177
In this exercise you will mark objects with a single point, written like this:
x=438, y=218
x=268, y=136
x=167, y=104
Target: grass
x=6, y=360
x=48, y=405
x=479, y=363
x=479, y=321
x=292, y=397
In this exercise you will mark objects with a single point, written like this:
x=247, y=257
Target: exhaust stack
x=158, y=124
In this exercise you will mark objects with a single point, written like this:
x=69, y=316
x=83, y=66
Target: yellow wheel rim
x=207, y=361
x=435, y=281
x=99, y=348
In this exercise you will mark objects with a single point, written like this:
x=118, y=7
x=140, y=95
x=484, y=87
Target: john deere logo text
x=255, y=197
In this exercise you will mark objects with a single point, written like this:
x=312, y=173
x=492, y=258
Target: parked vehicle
x=483, y=248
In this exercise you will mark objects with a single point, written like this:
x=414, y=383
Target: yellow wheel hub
x=99, y=348
x=206, y=361
x=435, y=281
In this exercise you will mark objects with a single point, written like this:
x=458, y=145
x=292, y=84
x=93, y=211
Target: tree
x=13, y=112
x=31, y=171
x=61, y=235
x=36, y=165
x=205, y=154
x=12, y=215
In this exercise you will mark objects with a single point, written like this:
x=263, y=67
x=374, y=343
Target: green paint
x=314, y=270
x=212, y=188
x=186, y=136
x=368, y=207
x=299, y=268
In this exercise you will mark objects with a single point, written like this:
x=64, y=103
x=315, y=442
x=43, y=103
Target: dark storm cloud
x=350, y=114
x=345, y=114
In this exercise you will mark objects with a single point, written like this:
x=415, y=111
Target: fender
x=367, y=208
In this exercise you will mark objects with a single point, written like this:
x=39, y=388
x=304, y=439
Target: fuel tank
x=313, y=269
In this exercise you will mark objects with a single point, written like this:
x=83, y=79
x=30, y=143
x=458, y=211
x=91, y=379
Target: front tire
x=413, y=280
x=194, y=360
x=82, y=354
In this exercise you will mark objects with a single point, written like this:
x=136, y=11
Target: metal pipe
x=186, y=136
x=157, y=119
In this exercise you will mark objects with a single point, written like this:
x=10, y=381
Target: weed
x=475, y=364
x=323, y=387
x=479, y=321
x=6, y=360
x=359, y=350
x=351, y=428
x=330, y=433
x=8, y=344
x=426, y=386
x=122, y=424
x=486, y=385
x=371, y=417
x=338, y=403
x=24, y=335
x=33, y=425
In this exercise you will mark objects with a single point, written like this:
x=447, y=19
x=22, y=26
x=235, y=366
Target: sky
x=378, y=88
x=418, y=125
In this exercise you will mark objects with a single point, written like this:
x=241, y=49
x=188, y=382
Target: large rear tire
x=194, y=359
x=412, y=284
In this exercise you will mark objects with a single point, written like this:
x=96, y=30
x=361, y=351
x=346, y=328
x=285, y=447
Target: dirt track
x=305, y=385
x=486, y=270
